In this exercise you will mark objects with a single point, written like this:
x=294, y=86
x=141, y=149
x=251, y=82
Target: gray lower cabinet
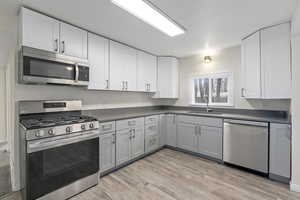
x=187, y=135
x=107, y=151
x=280, y=151
x=130, y=144
x=123, y=148
x=171, y=129
x=200, y=135
x=137, y=142
x=210, y=141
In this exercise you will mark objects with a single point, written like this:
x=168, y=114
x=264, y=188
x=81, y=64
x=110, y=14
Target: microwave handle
x=76, y=72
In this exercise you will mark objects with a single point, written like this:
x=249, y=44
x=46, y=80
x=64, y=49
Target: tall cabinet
x=266, y=66
x=123, y=71
x=98, y=48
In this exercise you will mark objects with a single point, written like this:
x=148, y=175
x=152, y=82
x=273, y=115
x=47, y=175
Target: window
x=216, y=89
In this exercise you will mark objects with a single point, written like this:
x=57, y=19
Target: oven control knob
x=68, y=129
x=83, y=127
x=91, y=125
x=39, y=133
x=50, y=132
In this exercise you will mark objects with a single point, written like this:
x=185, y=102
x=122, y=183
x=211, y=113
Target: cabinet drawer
x=152, y=143
x=152, y=119
x=107, y=127
x=205, y=121
x=130, y=123
x=151, y=129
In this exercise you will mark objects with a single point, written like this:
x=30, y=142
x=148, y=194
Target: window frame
x=212, y=76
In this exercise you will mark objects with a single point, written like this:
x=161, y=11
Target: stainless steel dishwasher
x=246, y=144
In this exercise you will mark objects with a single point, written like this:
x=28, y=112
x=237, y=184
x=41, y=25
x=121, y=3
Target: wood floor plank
x=172, y=175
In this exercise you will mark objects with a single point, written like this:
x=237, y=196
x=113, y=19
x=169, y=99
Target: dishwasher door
x=246, y=144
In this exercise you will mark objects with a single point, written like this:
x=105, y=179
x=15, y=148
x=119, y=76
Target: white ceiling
x=210, y=24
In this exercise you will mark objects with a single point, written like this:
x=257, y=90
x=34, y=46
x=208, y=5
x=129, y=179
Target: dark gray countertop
x=115, y=114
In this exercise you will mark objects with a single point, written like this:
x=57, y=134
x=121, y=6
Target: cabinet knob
x=63, y=47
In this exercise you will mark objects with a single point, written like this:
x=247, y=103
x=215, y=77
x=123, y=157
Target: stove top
x=44, y=121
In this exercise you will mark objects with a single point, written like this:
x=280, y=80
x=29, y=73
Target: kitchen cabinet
x=146, y=72
x=98, y=57
x=107, y=151
x=280, y=151
x=123, y=69
x=167, y=78
x=130, y=139
x=266, y=63
x=123, y=148
x=137, y=142
x=152, y=133
x=251, y=67
x=276, y=62
x=210, y=141
x=162, y=130
x=73, y=41
x=38, y=31
x=171, y=130
x=187, y=136
x=202, y=135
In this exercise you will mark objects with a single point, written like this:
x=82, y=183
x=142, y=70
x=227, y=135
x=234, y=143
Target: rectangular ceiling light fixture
x=150, y=14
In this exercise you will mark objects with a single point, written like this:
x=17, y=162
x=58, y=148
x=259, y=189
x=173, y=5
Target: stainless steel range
x=59, y=149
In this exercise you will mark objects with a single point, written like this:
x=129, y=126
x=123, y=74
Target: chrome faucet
x=207, y=107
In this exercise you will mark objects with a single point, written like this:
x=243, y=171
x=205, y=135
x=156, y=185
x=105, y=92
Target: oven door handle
x=76, y=72
x=43, y=145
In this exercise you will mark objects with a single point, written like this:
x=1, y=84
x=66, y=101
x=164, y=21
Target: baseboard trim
x=294, y=187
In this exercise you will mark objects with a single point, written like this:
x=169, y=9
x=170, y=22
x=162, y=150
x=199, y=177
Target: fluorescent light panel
x=148, y=14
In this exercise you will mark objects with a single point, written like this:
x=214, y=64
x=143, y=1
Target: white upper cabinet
x=266, y=65
x=276, y=61
x=38, y=31
x=251, y=66
x=146, y=72
x=98, y=56
x=123, y=70
x=167, y=78
x=73, y=41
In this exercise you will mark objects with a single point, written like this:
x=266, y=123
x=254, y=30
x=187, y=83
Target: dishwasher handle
x=246, y=123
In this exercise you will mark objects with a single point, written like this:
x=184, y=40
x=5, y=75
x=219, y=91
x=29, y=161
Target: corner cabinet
x=167, y=78
x=123, y=69
x=266, y=65
x=146, y=72
x=98, y=48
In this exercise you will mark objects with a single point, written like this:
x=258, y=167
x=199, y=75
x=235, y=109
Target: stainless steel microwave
x=43, y=67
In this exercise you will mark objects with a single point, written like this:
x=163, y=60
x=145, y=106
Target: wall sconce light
x=207, y=59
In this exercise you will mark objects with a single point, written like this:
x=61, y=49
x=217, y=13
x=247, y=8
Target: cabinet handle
x=243, y=92
x=126, y=85
x=63, y=47
x=123, y=85
x=107, y=86
x=56, y=45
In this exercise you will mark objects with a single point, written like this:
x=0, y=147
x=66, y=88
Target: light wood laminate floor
x=173, y=175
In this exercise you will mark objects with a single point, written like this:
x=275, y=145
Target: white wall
x=227, y=60
x=2, y=107
x=295, y=182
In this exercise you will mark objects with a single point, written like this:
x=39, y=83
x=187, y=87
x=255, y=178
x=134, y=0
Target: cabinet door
x=39, y=31
x=171, y=137
x=187, y=136
x=98, y=57
x=162, y=130
x=123, y=148
x=210, y=141
x=122, y=67
x=138, y=142
x=167, y=78
x=73, y=41
x=251, y=74
x=276, y=62
x=107, y=152
x=146, y=72
x=152, y=143
x=280, y=150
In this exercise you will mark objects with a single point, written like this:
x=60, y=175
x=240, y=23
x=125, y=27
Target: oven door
x=52, y=165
